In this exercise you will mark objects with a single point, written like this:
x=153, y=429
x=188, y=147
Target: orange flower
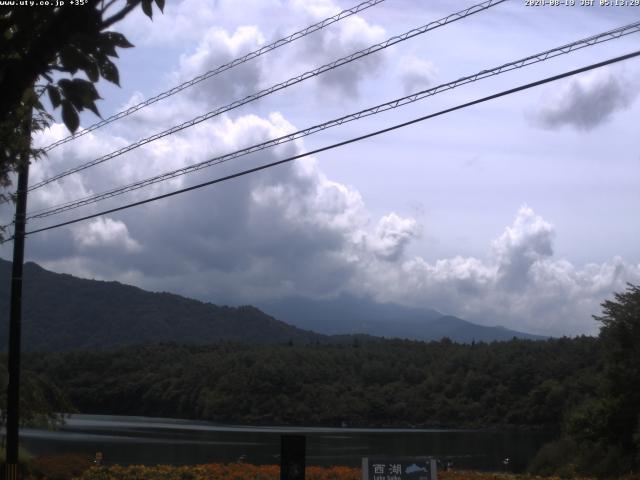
x=213, y=471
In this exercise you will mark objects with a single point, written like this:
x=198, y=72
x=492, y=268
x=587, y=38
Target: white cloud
x=181, y=21
x=416, y=74
x=588, y=101
x=217, y=48
x=520, y=285
x=209, y=23
x=344, y=38
x=391, y=236
x=293, y=229
x=528, y=241
x=104, y=232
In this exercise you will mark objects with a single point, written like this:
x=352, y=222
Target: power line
x=565, y=49
x=280, y=86
x=346, y=142
x=233, y=63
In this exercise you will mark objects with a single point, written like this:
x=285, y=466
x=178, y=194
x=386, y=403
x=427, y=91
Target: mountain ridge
x=362, y=315
x=99, y=315
x=63, y=312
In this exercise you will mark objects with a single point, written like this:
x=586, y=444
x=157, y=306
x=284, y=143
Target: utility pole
x=15, y=319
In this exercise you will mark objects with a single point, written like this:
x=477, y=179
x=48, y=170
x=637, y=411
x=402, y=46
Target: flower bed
x=239, y=471
x=215, y=471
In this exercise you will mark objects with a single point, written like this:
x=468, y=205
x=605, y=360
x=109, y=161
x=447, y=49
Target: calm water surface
x=143, y=440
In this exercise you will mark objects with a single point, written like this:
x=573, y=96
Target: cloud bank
x=293, y=230
x=520, y=284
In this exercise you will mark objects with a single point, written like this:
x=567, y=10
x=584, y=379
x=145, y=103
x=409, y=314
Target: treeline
x=586, y=386
x=387, y=383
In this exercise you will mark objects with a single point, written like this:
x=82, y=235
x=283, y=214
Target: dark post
x=15, y=319
x=292, y=457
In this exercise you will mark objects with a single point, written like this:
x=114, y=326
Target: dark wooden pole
x=15, y=319
x=293, y=449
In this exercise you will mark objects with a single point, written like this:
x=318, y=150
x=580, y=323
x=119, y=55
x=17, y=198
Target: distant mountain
x=62, y=312
x=350, y=315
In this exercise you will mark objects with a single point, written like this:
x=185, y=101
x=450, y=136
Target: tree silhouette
x=43, y=49
x=620, y=335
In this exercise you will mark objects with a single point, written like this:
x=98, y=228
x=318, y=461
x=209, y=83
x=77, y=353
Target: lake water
x=150, y=441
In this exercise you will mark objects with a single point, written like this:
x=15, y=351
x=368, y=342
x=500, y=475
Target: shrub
x=59, y=467
x=554, y=459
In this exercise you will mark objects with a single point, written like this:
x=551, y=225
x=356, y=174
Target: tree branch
x=120, y=15
x=108, y=5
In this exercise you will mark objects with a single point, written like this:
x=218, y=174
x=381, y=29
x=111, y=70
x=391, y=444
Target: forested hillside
x=385, y=383
x=62, y=312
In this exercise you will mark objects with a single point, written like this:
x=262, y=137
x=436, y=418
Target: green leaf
x=109, y=71
x=70, y=59
x=81, y=93
x=66, y=86
x=117, y=39
x=87, y=94
x=82, y=85
x=93, y=107
x=92, y=71
x=70, y=116
x=70, y=93
x=147, y=8
x=74, y=59
x=54, y=95
x=108, y=47
x=160, y=4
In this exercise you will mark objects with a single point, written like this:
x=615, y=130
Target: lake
x=150, y=441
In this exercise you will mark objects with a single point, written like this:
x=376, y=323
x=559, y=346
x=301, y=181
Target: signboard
x=401, y=468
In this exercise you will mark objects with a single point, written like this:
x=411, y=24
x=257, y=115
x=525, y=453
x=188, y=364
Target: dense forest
x=387, y=383
x=586, y=387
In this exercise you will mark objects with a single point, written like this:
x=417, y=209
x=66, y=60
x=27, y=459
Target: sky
x=519, y=212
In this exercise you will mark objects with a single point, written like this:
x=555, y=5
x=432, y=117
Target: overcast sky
x=521, y=212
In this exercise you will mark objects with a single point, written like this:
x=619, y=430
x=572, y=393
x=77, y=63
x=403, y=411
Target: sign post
x=401, y=468
x=292, y=457
x=11, y=469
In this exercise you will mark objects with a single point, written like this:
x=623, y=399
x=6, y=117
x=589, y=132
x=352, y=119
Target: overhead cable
x=233, y=63
x=343, y=143
x=280, y=86
x=539, y=57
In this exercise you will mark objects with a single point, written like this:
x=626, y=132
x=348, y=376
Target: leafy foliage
x=386, y=383
x=603, y=430
x=40, y=399
x=244, y=471
x=620, y=335
x=52, y=46
x=215, y=471
x=59, y=467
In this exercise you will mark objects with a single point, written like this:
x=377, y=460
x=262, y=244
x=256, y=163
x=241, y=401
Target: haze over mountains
x=348, y=315
x=62, y=312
